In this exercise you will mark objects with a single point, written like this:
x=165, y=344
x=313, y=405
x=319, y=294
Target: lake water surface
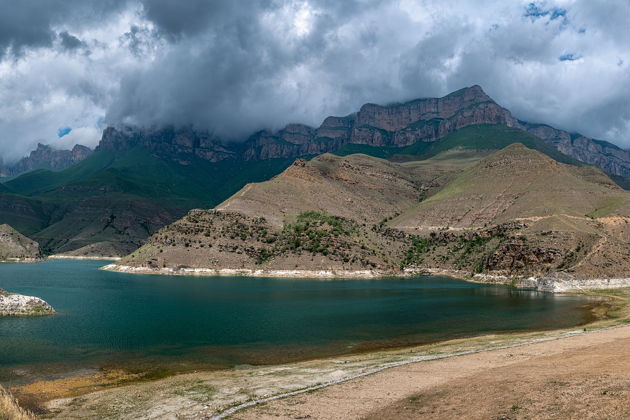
x=140, y=321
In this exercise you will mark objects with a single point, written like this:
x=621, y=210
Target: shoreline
x=559, y=283
x=233, y=410
x=22, y=260
x=185, y=271
x=72, y=393
x=78, y=257
x=567, y=376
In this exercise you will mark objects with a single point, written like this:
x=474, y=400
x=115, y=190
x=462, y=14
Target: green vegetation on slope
x=122, y=196
x=313, y=232
x=26, y=215
x=476, y=137
x=139, y=172
x=42, y=180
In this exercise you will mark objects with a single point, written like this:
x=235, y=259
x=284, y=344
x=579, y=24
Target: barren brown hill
x=515, y=213
x=515, y=183
x=324, y=214
x=15, y=247
x=358, y=187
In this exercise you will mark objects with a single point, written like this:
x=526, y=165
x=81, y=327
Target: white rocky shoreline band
x=555, y=284
x=186, y=271
x=21, y=260
x=82, y=257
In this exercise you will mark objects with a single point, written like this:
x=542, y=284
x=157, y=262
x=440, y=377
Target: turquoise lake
x=182, y=323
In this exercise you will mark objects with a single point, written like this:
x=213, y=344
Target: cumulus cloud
x=233, y=68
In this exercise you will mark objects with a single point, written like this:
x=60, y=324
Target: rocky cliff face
x=391, y=125
x=394, y=125
x=171, y=142
x=607, y=156
x=45, y=157
x=426, y=119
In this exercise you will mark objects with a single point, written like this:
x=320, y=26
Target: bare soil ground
x=585, y=376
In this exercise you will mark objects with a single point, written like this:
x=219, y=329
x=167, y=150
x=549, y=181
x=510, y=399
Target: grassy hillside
x=319, y=214
x=27, y=215
x=139, y=172
x=42, y=180
x=114, y=200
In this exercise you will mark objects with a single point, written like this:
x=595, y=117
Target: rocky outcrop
x=337, y=128
x=427, y=119
x=179, y=144
x=396, y=125
x=16, y=247
x=607, y=156
x=287, y=144
x=517, y=256
x=375, y=125
x=12, y=304
x=45, y=157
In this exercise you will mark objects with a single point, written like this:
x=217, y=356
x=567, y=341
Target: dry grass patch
x=9, y=408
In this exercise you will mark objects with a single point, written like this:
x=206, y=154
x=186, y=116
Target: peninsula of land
x=12, y=304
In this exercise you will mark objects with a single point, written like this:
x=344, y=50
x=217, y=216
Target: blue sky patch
x=569, y=57
x=536, y=11
x=63, y=131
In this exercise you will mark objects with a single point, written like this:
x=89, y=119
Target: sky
x=69, y=68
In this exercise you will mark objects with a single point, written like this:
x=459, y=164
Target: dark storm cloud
x=237, y=66
x=234, y=69
x=237, y=69
x=176, y=18
x=31, y=23
x=70, y=42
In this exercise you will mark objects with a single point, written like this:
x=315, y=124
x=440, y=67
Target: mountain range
x=45, y=157
x=418, y=122
x=139, y=180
